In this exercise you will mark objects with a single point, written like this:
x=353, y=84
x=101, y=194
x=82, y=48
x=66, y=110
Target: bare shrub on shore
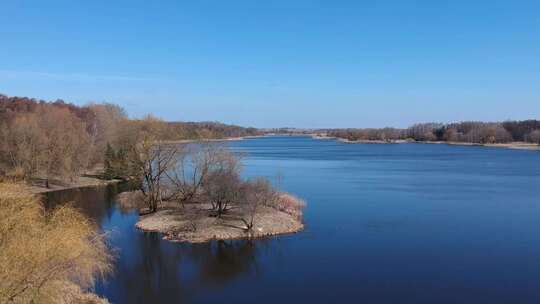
x=290, y=204
x=47, y=257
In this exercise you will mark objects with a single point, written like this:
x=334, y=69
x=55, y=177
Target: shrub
x=290, y=204
x=47, y=256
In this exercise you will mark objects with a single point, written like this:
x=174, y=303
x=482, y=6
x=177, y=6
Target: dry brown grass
x=47, y=257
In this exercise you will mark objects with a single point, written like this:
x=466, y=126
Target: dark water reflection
x=384, y=224
x=150, y=270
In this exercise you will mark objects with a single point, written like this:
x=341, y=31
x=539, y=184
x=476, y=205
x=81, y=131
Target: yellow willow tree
x=47, y=257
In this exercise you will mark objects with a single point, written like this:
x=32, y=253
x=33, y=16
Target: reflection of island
x=157, y=271
x=222, y=261
x=149, y=269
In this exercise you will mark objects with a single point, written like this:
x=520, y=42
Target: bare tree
x=151, y=158
x=192, y=168
x=105, y=127
x=534, y=137
x=255, y=194
x=222, y=184
x=65, y=148
x=21, y=144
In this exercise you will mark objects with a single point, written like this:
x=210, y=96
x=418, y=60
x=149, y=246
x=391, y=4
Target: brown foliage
x=50, y=142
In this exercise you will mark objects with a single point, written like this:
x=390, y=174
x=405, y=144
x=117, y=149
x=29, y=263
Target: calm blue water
x=407, y=223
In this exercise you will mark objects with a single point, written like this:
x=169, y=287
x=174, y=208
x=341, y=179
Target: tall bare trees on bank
x=58, y=140
x=50, y=142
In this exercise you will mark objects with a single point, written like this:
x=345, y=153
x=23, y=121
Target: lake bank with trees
x=52, y=144
x=523, y=135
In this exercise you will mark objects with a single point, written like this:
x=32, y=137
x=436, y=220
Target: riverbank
x=512, y=145
x=37, y=186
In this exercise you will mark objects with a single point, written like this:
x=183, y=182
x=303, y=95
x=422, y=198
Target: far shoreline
x=511, y=145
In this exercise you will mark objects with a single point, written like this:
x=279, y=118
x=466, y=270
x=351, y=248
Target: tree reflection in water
x=151, y=270
x=162, y=272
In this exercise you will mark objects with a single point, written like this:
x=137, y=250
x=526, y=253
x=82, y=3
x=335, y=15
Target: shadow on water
x=95, y=202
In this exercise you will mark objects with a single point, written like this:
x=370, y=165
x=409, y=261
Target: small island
x=194, y=192
x=197, y=223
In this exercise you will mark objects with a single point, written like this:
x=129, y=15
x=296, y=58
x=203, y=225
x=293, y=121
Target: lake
x=397, y=223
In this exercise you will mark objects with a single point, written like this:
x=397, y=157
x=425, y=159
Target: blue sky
x=299, y=63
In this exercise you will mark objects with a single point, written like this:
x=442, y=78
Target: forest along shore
x=524, y=135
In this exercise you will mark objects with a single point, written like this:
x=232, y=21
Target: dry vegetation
x=47, y=257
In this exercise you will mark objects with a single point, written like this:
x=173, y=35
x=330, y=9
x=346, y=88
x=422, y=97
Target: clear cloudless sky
x=296, y=63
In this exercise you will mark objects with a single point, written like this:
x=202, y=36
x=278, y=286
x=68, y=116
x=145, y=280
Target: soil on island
x=193, y=223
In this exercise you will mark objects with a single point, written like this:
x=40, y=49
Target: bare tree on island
x=193, y=166
x=221, y=187
x=255, y=194
x=151, y=159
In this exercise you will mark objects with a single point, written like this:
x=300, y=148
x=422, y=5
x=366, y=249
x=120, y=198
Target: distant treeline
x=60, y=140
x=467, y=132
